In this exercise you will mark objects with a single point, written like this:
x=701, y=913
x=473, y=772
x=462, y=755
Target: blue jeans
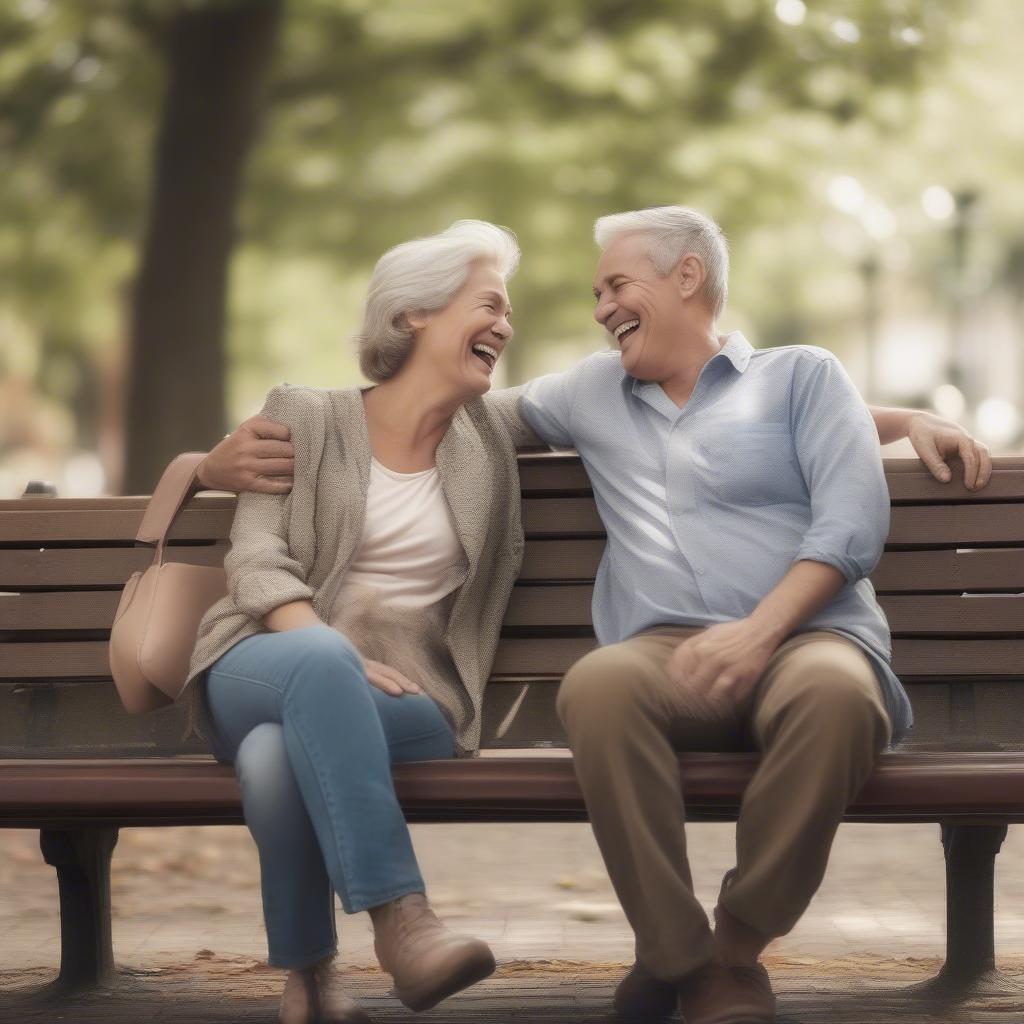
x=312, y=743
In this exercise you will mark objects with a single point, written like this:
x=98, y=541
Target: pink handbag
x=158, y=616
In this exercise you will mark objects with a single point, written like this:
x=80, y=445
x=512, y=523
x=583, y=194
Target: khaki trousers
x=818, y=719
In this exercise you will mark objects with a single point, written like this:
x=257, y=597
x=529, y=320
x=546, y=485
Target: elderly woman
x=363, y=615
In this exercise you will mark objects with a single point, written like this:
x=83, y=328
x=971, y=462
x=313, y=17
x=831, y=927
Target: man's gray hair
x=423, y=276
x=673, y=232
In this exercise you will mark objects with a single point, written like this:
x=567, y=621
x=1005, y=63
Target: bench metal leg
x=970, y=967
x=82, y=859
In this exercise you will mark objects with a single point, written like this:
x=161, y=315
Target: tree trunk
x=218, y=55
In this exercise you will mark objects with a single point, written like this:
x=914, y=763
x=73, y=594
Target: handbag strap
x=170, y=495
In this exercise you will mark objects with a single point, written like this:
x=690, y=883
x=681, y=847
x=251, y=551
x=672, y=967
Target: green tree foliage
x=397, y=118
x=391, y=118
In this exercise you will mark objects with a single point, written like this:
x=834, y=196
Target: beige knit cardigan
x=298, y=546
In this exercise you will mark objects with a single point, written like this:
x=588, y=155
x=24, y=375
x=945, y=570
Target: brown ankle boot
x=739, y=944
x=427, y=962
x=717, y=994
x=313, y=995
x=642, y=997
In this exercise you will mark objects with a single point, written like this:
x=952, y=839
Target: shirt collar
x=736, y=349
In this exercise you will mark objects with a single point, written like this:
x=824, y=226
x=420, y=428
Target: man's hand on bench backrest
x=936, y=440
x=258, y=456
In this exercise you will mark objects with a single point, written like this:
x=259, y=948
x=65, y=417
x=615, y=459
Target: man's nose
x=603, y=309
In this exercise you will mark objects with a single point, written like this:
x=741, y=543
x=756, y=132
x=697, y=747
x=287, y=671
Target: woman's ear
x=414, y=321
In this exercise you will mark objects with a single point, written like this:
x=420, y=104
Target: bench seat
x=961, y=788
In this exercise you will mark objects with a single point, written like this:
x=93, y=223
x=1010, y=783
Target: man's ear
x=690, y=275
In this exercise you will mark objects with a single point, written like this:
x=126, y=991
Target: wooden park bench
x=75, y=766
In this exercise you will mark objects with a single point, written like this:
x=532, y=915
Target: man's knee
x=600, y=688
x=833, y=685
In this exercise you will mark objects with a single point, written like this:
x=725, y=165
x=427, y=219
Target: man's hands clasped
x=719, y=666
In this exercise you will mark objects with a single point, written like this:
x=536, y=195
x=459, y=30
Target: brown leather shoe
x=716, y=994
x=739, y=944
x=427, y=962
x=642, y=997
x=313, y=995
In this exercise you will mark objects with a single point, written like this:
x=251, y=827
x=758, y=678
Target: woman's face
x=463, y=342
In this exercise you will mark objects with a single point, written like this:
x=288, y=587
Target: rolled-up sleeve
x=837, y=447
x=262, y=571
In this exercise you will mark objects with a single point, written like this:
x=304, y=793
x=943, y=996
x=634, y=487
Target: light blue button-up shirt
x=773, y=459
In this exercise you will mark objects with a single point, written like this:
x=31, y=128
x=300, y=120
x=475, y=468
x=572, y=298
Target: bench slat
x=915, y=571
x=70, y=659
x=908, y=480
x=567, y=606
x=209, y=519
x=978, y=570
x=962, y=659
x=917, y=526
x=92, y=567
x=544, y=560
x=955, y=616
x=548, y=608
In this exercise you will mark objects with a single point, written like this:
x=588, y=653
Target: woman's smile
x=486, y=354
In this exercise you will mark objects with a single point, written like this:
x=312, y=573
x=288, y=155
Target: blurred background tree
x=861, y=155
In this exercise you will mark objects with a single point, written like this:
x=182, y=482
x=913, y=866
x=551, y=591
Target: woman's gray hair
x=423, y=276
x=673, y=232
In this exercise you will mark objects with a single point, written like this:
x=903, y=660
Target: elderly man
x=744, y=501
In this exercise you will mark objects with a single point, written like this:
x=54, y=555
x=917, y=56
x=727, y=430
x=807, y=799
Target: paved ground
x=187, y=922
x=847, y=990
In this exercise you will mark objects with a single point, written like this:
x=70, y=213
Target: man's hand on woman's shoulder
x=257, y=456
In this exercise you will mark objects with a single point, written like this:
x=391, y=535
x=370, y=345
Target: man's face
x=642, y=311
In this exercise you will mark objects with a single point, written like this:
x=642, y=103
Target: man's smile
x=626, y=328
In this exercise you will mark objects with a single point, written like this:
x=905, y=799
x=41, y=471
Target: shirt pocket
x=752, y=466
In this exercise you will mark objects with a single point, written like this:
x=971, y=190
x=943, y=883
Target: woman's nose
x=502, y=329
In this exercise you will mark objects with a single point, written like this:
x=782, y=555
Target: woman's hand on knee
x=388, y=679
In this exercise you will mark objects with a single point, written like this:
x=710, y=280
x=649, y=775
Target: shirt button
x=700, y=572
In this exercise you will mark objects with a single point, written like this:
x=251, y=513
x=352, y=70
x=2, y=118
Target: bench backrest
x=951, y=583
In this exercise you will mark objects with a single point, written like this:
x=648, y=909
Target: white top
x=409, y=554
